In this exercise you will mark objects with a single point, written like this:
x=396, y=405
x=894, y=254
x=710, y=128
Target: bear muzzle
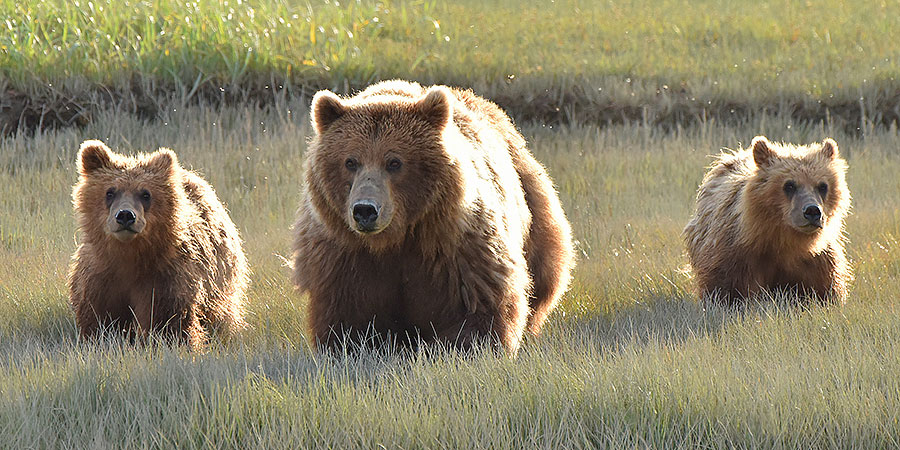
x=365, y=215
x=125, y=218
x=370, y=205
x=813, y=214
x=125, y=224
x=809, y=219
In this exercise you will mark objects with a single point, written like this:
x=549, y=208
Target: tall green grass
x=629, y=359
x=561, y=60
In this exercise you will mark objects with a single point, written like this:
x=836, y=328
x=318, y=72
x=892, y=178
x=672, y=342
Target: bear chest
x=775, y=271
x=430, y=291
x=128, y=289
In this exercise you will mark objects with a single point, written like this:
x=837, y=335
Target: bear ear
x=435, y=106
x=326, y=108
x=94, y=155
x=162, y=161
x=830, y=148
x=762, y=151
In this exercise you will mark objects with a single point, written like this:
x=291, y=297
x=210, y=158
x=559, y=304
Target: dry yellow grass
x=628, y=360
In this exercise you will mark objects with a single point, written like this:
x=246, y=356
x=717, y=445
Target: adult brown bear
x=424, y=216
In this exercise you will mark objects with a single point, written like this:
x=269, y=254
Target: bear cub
x=159, y=252
x=771, y=217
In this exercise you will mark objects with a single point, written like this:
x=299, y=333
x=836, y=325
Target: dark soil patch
x=21, y=112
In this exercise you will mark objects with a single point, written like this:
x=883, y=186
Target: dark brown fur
x=750, y=233
x=471, y=240
x=183, y=272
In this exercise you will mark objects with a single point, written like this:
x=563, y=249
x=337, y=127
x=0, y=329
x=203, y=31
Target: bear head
x=380, y=165
x=125, y=200
x=801, y=187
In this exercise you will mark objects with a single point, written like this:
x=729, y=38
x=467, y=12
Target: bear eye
x=790, y=187
x=394, y=165
x=110, y=194
x=351, y=164
x=145, y=195
x=823, y=189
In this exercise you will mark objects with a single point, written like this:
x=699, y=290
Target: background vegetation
x=662, y=62
x=630, y=359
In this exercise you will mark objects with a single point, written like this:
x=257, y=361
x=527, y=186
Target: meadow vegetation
x=629, y=359
x=662, y=62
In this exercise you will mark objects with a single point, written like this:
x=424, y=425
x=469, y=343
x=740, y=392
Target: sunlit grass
x=566, y=59
x=629, y=359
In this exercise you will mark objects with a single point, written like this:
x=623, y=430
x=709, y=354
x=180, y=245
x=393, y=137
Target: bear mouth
x=125, y=234
x=811, y=228
x=367, y=230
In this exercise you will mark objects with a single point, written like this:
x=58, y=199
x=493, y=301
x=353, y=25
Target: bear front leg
x=330, y=333
x=353, y=298
x=186, y=326
x=170, y=317
x=142, y=321
x=473, y=329
x=182, y=328
x=490, y=298
x=830, y=277
x=192, y=330
x=324, y=322
x=838, y=292
x=351, y=317
x=85, y=317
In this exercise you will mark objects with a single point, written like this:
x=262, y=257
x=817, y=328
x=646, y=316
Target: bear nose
x=812, y=213
x=365, y=214
x=125, y=217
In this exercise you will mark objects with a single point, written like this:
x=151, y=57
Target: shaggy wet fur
x=182, y=271
x=470, y=240
x=750, y=231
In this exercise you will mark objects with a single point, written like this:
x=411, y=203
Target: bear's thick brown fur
x=158, y=252
x=771, y=217
x=425, y=216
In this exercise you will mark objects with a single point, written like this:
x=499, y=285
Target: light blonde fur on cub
x=771, y=216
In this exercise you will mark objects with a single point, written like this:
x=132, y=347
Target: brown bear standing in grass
x=771, y=217
x=426, y=217
x=159, y=250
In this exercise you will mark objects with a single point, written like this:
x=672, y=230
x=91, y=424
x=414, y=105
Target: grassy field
x=662, y=62
x=629, y=359
x=622, y=101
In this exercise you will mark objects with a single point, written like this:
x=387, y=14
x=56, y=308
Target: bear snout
x=125, y=222
x=813, y=214
x=365, y=214
x=125, y=218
